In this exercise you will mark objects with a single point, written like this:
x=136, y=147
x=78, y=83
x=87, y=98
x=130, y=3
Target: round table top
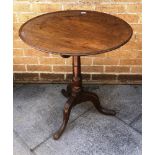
x=75, y=32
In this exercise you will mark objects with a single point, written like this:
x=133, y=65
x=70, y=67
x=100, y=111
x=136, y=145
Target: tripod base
x=77, y=95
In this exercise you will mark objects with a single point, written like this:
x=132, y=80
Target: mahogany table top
x=75, y=32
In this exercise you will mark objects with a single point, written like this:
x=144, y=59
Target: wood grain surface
x=75, y=32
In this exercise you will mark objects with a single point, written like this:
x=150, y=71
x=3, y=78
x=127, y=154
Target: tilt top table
x=76, y=33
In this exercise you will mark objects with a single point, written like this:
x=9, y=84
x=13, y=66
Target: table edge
x=75, y=54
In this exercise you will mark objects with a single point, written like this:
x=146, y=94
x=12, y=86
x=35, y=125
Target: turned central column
x=77, y=77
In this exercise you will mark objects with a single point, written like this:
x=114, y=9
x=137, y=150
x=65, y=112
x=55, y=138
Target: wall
x=119, y=66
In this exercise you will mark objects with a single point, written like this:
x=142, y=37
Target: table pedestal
x=77, y=95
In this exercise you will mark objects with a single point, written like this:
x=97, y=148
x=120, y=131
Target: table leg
x=66, y=92
x=89, y=96
x=77, y=95
x=66, y=114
